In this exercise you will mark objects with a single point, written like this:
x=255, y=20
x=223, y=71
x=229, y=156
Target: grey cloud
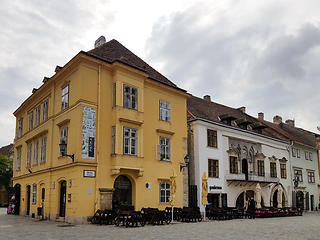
x=243, y=60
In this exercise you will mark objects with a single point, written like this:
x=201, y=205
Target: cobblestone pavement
x=289, y=228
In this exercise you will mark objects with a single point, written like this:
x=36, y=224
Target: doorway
x=275, y=199
x=213, y=200
x=28, y=199
x=122, y=195
x=245, y=168
x=300, y=199
x=312, y=202
x=63, y=191
x=17, y=189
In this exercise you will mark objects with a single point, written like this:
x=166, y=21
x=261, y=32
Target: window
x=310, y=156
x=34, y=194
x=64, y=137
x=30, y=120
x=212, y=138
x=213, y=168
x=233, y=165
x=165, y=149
x=164, y=192
x=130, y=138
x=113, y=139
x=43, y=149
x=298, y=175
x=311, y=177
x=45, y=110
x=20, y=126
x=298, y=153
x=130, y=97
x=29, y=152
x=35, y=152
x=293, y=152
x=283, y=170
x=19, y=159
x=164, y=111
x=37, y=117
x=306, y=155
x=273, y=169
x=65, y=98
x=260, y=168
x=114, y=95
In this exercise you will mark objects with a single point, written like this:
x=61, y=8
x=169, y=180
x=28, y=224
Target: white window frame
x=35, y=152
x=306, y=155
x=65, y=97
x=299, y=175
x=130, y=97
x=18, y=167
x=164, y=149
x=164, y=111
x=311, y=178
x=310, y=156
x=20, y=128
x=37, y=116
x=293, y=152
x=164, y=192
x=64, y=137
x=130, y=141
x=45, y=110
x=29, y=154
x=34, y=194
x=30, y=120
x=43, y=149
x=298, y=153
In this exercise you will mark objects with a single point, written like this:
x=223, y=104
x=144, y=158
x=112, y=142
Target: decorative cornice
x=130, y=121
x=165, y=131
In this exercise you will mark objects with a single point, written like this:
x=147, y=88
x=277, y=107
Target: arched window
x=164, y=192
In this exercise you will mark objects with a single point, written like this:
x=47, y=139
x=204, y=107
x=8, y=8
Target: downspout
x=98, y=139
x=288, y=149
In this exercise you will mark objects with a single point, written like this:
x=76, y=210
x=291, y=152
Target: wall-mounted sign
x=215, y=187
x=88, y=132
x=89, y=173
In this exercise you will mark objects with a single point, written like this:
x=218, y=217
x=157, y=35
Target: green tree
x=5, y=171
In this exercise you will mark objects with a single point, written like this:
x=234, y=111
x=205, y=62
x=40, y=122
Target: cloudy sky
x=264, y=55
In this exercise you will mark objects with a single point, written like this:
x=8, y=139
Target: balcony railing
x=250, y=177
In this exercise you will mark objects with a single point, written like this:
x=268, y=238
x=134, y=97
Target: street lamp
x=186, y=160
x=63, y=148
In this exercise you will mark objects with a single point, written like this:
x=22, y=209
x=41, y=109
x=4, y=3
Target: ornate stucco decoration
x=260, y=156
x=234, y=152
x=273, y=159
x=283, y=160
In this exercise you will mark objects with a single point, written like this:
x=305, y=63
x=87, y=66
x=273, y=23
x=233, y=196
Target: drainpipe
x=288, y=149
x=98, y=139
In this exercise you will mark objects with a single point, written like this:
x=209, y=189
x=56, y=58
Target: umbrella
x=173, y=189
x=204, y=201
x=258, y=195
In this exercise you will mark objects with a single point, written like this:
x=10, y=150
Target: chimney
x=242, y=109
x=261, y=116
x=290, y=122
x=101, y=40
x=207, y=98
x=277, y=119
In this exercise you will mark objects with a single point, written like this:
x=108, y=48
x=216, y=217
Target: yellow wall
x=90, y=85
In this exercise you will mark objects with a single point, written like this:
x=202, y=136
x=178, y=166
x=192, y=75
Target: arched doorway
x=245, y=168
x=240, y=201
x=122, y=195
x=299, y=200
x=243, y=197
x=63, y=192
x=275, y=199
x=17, y=189
x=28, y=196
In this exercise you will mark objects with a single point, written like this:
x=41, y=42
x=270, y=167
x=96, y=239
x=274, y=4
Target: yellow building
x=125, y=128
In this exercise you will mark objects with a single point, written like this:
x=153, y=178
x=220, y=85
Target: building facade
x=241, y=157
x=124, y=127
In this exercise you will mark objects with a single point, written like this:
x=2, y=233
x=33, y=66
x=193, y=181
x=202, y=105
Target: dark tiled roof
x=199, y=108
x=114, y=51
x=8, y=150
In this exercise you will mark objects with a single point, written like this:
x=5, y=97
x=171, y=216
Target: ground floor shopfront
x=74, y=193
x=236, y=195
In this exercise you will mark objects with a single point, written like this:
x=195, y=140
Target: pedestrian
x=252, y=208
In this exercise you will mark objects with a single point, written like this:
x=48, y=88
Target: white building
x=241, y=156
